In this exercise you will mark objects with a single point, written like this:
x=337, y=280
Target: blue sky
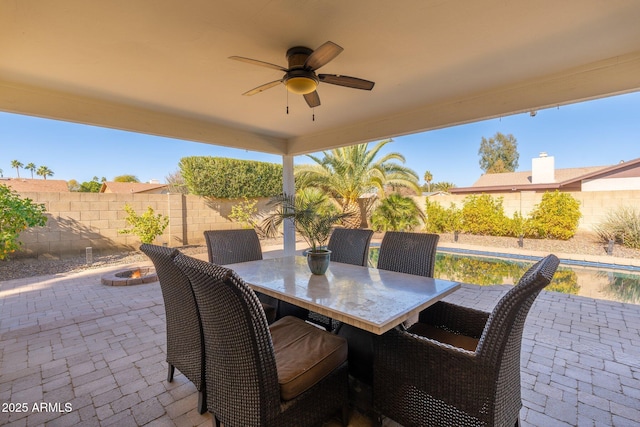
x=594, y=133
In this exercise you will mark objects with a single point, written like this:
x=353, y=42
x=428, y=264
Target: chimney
x=543, y=169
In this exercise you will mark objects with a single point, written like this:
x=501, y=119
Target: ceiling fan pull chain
x=287, y=101
x=313, y=115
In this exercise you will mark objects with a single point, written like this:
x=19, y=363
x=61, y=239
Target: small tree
x=126, y=178
x=244, y=211
x=176, y=183
x=499, y=154
x=73, y=185
x=92, y=186
x=16, y=215
x=147, y=226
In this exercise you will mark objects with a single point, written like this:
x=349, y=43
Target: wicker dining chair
x=458, y=366
x=403, y=252
x=184, y=337
x=233, y=246
x=287, y=374
x=411, y=253
x=348, y=246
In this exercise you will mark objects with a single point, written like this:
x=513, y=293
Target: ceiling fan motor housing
x=297, y=56
x=299, y=80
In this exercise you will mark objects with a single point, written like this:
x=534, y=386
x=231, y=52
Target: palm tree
x=312, y=213
x=44, y=172
x=443, y=186
x=397, y=213
x=428, y=177
x=31, y=167
x=16, y=164
x=348, y=173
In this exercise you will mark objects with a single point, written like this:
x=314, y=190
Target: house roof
x=524, y=178
x=161, y=67
x=564, y=178
x=130, y=187
x=23, y=185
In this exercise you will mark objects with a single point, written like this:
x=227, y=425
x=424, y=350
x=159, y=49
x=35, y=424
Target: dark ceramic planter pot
x=318, y=261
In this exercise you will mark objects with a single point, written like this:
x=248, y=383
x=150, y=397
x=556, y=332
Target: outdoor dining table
x=367, y=298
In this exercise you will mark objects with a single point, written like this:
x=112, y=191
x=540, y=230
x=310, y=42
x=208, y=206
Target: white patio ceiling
x=161, y=66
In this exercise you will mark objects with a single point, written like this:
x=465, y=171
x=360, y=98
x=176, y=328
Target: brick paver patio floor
x=76, y=352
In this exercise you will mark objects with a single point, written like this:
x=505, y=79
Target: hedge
x=225, y=178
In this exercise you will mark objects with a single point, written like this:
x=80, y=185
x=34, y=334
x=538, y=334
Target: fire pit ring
x=130, y=276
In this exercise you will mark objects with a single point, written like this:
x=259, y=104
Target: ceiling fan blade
x=313, y=99
x=262, y=88
x=260, y=63
x=322, y=55
x=352, y=82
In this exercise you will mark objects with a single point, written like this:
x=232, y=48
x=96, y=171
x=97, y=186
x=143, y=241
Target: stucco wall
x=81, y=220
x=594, y=206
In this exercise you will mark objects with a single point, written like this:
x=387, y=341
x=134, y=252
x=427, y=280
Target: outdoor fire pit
x=130, y=276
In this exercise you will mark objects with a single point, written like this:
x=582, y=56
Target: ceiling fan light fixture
x=301, y=85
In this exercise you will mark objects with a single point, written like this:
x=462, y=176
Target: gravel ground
x=28, y=267
x=581, y=243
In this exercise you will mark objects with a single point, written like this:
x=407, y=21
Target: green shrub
x=621, y=226
x=484, y=215
x=436, y=217
x=223, y=178
x=518, y=225
x=244, y=211
x=555, y=217
x=16, y=215
x=396, y=213
x=441, y=220
x=147, y=226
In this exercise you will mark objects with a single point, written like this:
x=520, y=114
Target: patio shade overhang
x=161, y=67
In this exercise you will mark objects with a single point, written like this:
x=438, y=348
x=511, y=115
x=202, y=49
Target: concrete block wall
x=80, y=220
x=594, y=205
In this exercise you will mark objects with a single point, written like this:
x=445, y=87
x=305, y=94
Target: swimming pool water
x=600, y=283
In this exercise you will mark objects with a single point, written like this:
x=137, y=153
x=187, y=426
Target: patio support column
x=288, y=187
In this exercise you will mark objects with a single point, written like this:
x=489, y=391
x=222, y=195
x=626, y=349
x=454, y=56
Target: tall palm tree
x=348, y=173
x=16, y=164
x=44, y=172
x=428, y=177
x=31, y=167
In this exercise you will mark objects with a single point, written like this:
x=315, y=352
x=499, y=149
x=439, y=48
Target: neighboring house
x=544, y=177
x=435, y=193
x=23, y=185
x=134, y=188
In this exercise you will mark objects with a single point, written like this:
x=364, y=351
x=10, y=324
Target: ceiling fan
x=301, y=78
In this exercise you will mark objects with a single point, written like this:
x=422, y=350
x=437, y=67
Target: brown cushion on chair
x=304, y=354
x=446, y=337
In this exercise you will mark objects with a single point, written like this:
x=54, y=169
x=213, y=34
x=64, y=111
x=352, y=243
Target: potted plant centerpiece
x=313, y=217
